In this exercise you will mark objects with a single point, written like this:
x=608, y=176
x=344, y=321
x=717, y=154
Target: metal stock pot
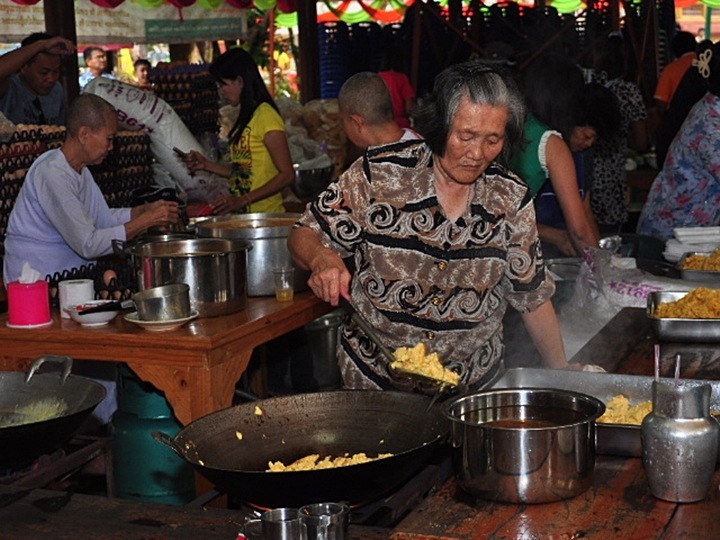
x=267, y=233
x=214, y=268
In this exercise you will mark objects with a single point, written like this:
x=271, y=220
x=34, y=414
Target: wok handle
x=35, y=366
x=167, y=440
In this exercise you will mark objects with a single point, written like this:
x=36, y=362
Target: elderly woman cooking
x=443, y=238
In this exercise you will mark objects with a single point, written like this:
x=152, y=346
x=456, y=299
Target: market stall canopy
x=131, y=21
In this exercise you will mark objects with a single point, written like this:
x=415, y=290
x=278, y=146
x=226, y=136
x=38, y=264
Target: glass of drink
x=284, y=279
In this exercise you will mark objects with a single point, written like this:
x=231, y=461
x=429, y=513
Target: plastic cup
x=284, y=281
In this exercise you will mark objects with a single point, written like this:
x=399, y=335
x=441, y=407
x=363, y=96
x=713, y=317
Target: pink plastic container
x=28, y=304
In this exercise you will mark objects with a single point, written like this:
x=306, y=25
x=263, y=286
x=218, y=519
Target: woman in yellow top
x=260, y=163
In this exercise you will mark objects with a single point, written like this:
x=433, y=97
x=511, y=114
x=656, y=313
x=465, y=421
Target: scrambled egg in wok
x=415, y=360
x=313, y=462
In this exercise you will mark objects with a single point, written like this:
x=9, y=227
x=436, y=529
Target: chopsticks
x=656, y=358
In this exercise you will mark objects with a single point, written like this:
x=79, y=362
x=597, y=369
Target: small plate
x=160, y=326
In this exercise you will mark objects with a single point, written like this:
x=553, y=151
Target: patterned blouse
x=609, y=192
x=420, y=277
x=686, y=192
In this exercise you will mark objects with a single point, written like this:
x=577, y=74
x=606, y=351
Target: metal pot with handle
x=232, y=447
x=215, y=269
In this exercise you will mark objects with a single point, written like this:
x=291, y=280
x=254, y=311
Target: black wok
x=232, y=447
x=24, y=442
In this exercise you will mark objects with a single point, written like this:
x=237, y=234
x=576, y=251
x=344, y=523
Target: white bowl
x=91, y=319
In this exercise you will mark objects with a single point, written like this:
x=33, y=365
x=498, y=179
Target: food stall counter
x=619, y=504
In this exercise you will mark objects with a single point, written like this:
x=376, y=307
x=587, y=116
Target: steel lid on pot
x=249, y=226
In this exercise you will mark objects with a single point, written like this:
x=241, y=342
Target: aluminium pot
x=21, y=443
x=528, y=445
x=213, y=268
x=268, y=234
x=232, y=447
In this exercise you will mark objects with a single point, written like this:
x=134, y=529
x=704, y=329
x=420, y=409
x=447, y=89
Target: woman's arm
x=277, y=146
x=330, y=277
x=543, y=327
x=561, y=167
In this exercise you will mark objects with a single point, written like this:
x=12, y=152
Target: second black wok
x=232, y=447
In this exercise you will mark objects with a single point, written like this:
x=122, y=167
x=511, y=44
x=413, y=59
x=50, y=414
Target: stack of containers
x=333, y=51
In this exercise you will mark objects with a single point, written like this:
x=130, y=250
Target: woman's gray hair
x=483, y=85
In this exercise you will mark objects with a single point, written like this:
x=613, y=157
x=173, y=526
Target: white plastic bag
x=142, y=110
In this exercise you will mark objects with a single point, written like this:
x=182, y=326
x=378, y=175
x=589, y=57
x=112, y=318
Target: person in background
x=260, y=162
x=442, y=237
x=60, y=219
x=683, y=48
x=97, y=63
x=552, y=89
x=142, y=73
x=596, y=118
x=401, y=91
x=692, y=87
x=609, y=193
x=29, y=89
x=686, y=191
x=366, y=112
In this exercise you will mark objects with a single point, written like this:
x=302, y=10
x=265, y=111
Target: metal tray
x=688, y=330
x=698, y=275
x=611, y=439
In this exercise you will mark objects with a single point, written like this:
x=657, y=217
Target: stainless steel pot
x=267, y=233
x=214, y=269
x=527, y=445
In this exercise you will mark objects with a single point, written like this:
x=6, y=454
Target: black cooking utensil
x=366, y=327
x=110, y=306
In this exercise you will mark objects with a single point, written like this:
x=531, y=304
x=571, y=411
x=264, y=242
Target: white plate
x=159, y=326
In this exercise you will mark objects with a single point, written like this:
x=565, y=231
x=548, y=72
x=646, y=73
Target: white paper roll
x=73, y=292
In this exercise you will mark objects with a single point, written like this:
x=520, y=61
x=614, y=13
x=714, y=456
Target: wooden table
x=619, y=504
x=196, y=366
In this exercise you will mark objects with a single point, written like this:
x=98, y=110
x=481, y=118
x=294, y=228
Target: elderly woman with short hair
x=442, y=236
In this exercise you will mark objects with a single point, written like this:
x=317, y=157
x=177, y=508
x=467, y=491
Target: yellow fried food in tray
x=414, y=360
x=700, y=261
x=700, y=303
x=619, y=411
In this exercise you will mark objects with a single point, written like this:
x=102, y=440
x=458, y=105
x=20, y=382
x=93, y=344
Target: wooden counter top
x=196, y=366
x=619, y=504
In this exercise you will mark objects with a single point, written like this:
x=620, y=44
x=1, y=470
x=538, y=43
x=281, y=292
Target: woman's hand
x=162, y=212
x=195, y=161
x=330, y=278
x=228, y=204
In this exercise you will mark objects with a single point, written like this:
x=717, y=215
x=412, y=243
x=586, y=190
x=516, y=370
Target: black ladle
x=367, y=328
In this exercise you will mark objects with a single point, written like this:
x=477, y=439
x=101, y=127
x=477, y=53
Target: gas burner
x=58, y=466
x=383, y=513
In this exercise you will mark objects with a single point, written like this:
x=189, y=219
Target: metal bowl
x=529, y=445
x=166, y=303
